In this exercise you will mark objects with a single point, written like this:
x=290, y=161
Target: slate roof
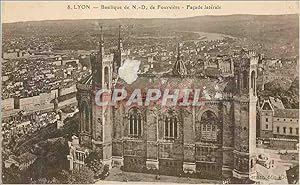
x=179, y=68
x=286, y=113
x=212, y=72
x=277, y=103
x=210, y=87
x=87, y=80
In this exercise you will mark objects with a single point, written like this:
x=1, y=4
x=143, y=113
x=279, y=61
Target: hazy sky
x=33, y=11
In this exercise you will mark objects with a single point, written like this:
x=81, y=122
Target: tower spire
x=118, y=53
x=101, y=32
x=178, y=51
x=179, y=67
x=101, y=44
x=119, y=31
x=120, y=40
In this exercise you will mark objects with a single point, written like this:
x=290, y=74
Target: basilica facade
x=216, y=139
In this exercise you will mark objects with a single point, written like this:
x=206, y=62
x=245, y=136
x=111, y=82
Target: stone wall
x=173, y=157
x=283, y=144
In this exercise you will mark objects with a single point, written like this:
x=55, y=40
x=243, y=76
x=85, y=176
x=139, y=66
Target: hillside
x=274, y=35
x=286, y=91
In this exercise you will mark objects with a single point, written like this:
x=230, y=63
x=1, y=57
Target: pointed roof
x=277, y=103
x=87, y=80
x=101, y=34
x=101, y=44
x=119, y=39
x=179, y=67
x=267, y=105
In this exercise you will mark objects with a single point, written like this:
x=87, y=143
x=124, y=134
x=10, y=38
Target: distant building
x=278, y=122
x=216, y=66
x=22, y=162
x=272, y=63
x=16, y=53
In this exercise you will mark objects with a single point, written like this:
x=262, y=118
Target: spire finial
x=119, y=40
x=101, y=36
x=119, y=32
x=179, y=67
x=101, y=43
x=178, y=50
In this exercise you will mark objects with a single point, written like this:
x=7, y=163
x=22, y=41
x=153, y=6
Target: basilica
x=216, y=139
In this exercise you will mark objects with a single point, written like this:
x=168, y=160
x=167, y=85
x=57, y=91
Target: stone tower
x=245, y=101
x=96, y=121
x=102, y=67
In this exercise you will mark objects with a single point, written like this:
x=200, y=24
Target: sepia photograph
x=113, y=92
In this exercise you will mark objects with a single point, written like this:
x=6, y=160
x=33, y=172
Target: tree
x=82, y=176
x=93, y=161
x=12, y=175
x=46, y=181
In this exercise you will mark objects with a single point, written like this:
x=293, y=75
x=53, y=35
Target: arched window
x=241, y=77
x=245, y=80
x=291, y=130
x=135, y=123
x=209, y=127
x=85, y=117
x=253, y=85
x=106, y=77
x=170, y=127
x=237, y=85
